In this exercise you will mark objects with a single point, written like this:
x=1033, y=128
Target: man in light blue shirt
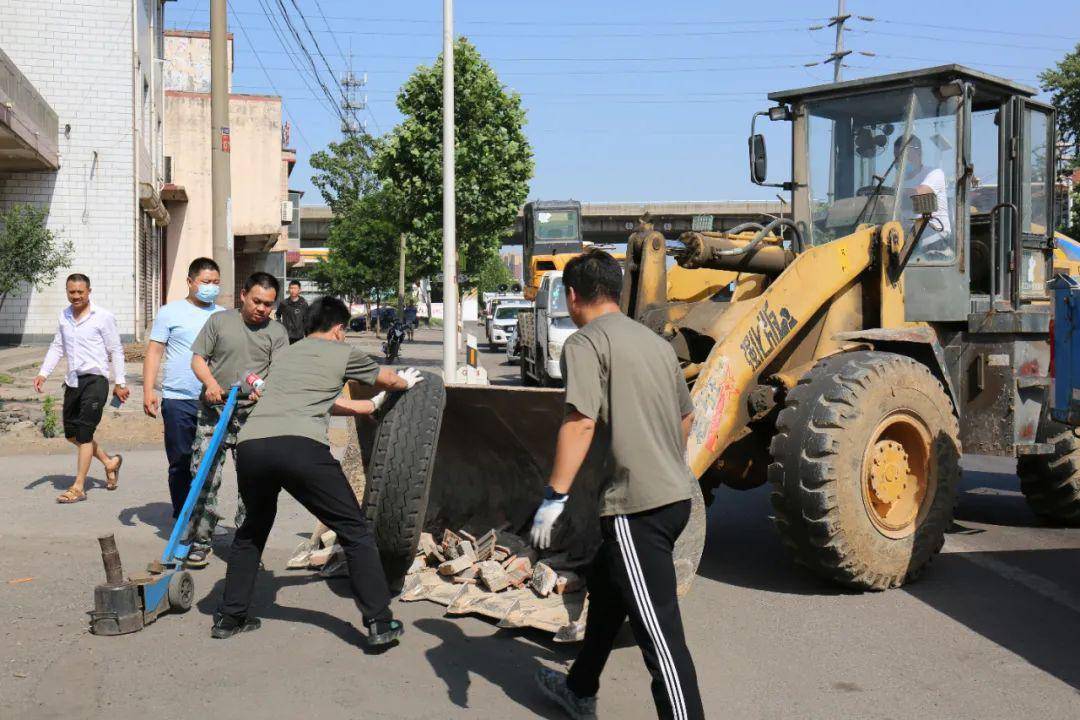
x=177, y=325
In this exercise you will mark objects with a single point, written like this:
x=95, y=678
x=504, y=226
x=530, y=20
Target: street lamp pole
x=450, y=292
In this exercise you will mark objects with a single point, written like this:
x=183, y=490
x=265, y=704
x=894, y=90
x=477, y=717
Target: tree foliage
x=494, y=161
x=493, y=273
x=344, y=172
x=363, y=243
x=30, y=254
x=1063, y=84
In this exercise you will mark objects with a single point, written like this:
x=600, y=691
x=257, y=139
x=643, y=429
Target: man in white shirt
x=936, y=242
x=88, y=339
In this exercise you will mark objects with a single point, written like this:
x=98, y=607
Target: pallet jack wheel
x=181, y=591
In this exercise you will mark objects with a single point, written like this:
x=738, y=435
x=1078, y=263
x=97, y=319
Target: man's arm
x=388, y=379
x=52, y=357
x=575, y=437
x=687, y=425
x=111, y=336
x=213, y=393
x=151, y=363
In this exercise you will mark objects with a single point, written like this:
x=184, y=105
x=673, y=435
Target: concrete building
x=81, y=133
x=262, y=210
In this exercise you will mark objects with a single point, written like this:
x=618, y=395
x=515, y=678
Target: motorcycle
x=394, y=337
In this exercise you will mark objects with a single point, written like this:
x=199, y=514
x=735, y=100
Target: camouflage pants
x=204, y=516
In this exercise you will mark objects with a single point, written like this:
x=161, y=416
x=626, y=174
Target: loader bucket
x=492, y=459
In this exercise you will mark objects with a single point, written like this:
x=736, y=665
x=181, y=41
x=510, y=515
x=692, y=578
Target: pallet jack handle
x=174, y=550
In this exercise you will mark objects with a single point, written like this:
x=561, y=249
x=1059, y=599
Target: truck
x=552, y=236
x=542, y=329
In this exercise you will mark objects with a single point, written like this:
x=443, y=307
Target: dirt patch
x=118, y=430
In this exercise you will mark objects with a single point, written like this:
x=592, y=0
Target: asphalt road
x=991, y=631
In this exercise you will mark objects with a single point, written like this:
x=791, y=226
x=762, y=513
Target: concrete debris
x=568, y=582
x=543, y=579
x=495, y=562
x=493, y=576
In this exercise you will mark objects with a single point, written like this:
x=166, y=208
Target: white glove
x=378, y=400
x=410, y=376
x=546, y=515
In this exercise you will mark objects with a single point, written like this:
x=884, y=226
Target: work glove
x=410, y=376
x=544, y=519
x=378, y=400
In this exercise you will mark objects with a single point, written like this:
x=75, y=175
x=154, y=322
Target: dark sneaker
x=225, y=627
x=384, y=632
x=553, y=684
x=198, y=557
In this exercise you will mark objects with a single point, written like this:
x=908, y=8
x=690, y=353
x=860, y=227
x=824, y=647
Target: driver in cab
x=936, y=241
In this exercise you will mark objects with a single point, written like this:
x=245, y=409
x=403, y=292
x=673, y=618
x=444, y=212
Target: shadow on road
x=994, y=498
x=155, y=514
x=504, y=659
x=63, y=482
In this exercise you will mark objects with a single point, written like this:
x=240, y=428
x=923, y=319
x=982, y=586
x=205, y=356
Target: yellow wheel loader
x=846, y=355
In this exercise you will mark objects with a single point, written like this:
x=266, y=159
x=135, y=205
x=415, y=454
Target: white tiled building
x=93, y=154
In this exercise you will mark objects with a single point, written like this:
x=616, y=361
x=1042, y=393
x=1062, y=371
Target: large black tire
x=836, y=421
x=1051, y=483
x=398, y=471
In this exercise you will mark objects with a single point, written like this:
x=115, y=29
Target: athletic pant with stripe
x=633, y=576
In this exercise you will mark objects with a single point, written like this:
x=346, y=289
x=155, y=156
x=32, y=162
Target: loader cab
x=862, y=148
x=551, y=227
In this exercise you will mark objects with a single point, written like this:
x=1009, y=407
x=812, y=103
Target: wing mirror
x=758, y=159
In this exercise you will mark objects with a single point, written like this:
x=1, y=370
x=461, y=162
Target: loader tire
x=865, y=466
x=399, y=473
x=1051, y=483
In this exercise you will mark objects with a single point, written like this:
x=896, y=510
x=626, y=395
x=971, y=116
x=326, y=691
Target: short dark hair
x=263, y=280
x=594, y=275
x=294, y=282
x=77, y=277
x=199, y=264
x=324, y=314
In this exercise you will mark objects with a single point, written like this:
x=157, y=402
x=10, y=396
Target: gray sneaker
x=553, y=684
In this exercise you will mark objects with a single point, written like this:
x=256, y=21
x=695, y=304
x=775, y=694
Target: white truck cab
x=542, y=331
x=502, y=318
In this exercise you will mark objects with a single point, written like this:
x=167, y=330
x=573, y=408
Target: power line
x=269, y=79
x=1011, y=33
x=281, y=38
x=311, y=61
x=922, y=36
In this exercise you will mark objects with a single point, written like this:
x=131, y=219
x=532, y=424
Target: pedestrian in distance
x=291, y=311
x=175, y=328
x=284, y=446
x=87, y=338
x=230, y=345
x=626, y=392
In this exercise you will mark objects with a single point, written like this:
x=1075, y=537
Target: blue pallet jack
x=124, y=606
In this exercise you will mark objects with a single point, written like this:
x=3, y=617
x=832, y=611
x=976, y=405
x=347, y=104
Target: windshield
x=558, y=298
x=556, y=224
x=507, y=313
x=861, y=148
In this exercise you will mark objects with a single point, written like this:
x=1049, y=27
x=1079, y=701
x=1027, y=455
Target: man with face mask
x=175, y=329
x=230, y=345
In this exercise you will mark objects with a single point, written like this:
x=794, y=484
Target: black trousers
x=83, y=406
x=306, y=470
x=633, y=576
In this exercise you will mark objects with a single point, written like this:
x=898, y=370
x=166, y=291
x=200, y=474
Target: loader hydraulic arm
x=755, y=331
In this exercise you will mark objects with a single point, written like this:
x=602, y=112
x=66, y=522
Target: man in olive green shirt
x=230, y=345
x=626, y=393
x=284, y=446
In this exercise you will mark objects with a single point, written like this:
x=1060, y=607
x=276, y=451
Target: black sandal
x=384, y=632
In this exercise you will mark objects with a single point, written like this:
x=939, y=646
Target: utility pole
x=837, y=57
x=450, y=292
x=401, y=280
x=220, y=145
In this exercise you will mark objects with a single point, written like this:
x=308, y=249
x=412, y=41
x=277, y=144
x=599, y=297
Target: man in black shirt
x=291, y=312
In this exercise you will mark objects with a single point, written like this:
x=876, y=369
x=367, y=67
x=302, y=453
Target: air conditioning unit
x=286, y=212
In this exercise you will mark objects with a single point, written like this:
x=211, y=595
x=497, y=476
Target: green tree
x=344, y=171
x=30, y=254
x=494, y=161
x=493, y=273
x=1063, y=83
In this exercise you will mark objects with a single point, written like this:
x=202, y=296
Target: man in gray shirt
x=230, y=345
x=626, y=393
x=284, y=446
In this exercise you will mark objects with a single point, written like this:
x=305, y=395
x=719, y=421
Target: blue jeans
x=180, y=417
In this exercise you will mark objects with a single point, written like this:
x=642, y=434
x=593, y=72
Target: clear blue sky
x=630, y=100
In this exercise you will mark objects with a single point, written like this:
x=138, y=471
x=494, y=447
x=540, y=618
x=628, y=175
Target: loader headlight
x=554, y=350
